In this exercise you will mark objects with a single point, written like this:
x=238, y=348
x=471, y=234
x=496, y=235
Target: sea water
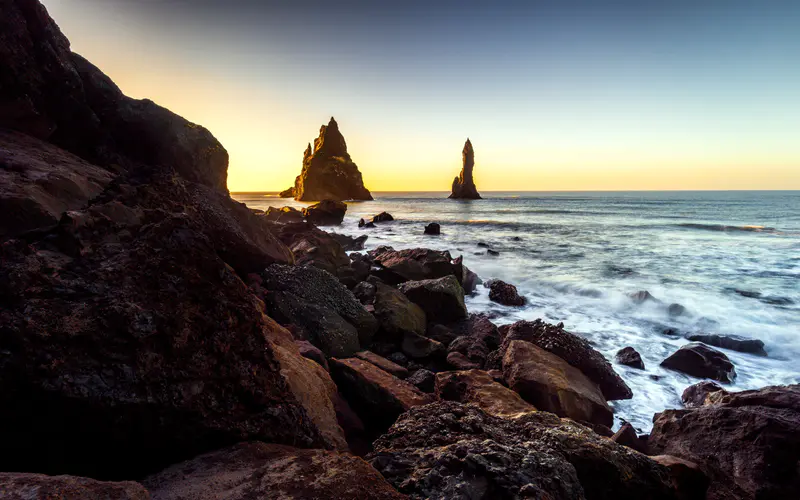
x=732, y=259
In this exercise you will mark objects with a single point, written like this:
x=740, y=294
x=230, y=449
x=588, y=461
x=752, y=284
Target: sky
x=554, y=94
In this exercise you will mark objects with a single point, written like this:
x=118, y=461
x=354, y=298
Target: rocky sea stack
x=328, y=171
x=463, y=185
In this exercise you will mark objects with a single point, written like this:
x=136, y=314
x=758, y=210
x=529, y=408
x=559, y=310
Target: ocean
x=732, y=259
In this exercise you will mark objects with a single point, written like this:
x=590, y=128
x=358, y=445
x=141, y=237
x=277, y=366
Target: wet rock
x=384, y=364
x=461, y=362
x=419, y=347
x=699, y=360
x=710, y=394
x=433, y=229
x=349, y=243
x=396, y=314
x=628, y=356
x=325, y=213
x=493, y=253
x=464, y=185
x=569, y=347
x=697, y=395
x=690, y=482
x=312, y=246
x=284, y=215
x=476, y=386
x=626, y=436
x=442, y=299
x=328, y=171
x=365, y=224
x=453, y=450
x=551, y=384
x=504, y=293
x=675, y=310
x=24, y=486
x=423, y=379
x=732, y=342
x=642, y=296
x=414, y=264
x=382, y=217
x=469, y=280
x=260, y=470
x=748, y=443
x=477, y=338
x=377, y=396
x=309, y=351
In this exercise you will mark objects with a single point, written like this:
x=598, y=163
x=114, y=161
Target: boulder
x=260, y=470
x=477, y=387
x=710, y=394
x=309, y=351
x=477, y=338
x=433, y=229
x=504, y=293
x=461, y=362
x=377, y=396
x=383, y=363
x=423, y=379
x=747, y=443
x=690, y=482
x=676, y=309
x=699, y=360
x=382, y=217
x=698, y=394
x=419, y=347
x=365, y=292
x=414, y=264
x=396, y=314
x=569, y=347
x=628, y=356
x=469, y=280
x=642, y=296
x=328, y=171
x=365, y=224
x=626, y=436
x=464, y=185
x=349, y=243
x=551, y=384
x=311, y=246
x=284, y=215
x=325, y=213
x=442, y=299
x=24, y=486
x=732, y=342
x=441, y=333
x=452, y=450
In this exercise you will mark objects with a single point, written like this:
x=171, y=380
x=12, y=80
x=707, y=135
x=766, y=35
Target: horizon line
x=567, y=191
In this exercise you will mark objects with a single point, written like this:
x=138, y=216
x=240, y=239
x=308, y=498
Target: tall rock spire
x=464, y=185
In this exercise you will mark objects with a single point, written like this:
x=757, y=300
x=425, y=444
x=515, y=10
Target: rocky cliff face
x=464, y=185
x=328, y=171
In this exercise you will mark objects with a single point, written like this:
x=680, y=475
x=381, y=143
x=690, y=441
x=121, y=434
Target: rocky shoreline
x=160, y=340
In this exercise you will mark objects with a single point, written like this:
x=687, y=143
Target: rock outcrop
x=504, y=293
x=464, y=185
x=397, y=266
x=328, y=171
x=325, y=213
x=22, y=486
x=699, y=360
x=629, y=356
x=732, y=342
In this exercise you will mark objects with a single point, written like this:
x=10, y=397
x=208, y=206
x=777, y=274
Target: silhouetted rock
x=382, y=217
x=287, y=193
x=260, y=470
x=365, y=224
x=325, y=213
x=453, y=450
x=504, y=293
x=313, y=246
x=732, y=342
x=629, y=357
x=397, y=266
x=477, y=387
x=676, y=310
x=469, y=280
x=433, y=229
x=24, y=486
x=464, y=185
x=699, y=360
x=442, y=299
x=328, y=172
x=284, y=215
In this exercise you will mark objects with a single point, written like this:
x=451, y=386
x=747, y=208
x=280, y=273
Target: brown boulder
x=461, y=362
x=626, y=436
x=284, y=215
x=260, y=470
x=383, y=363
x=477, y=337
x=701, y=361
x=382, y=217
x=628, y=356
x=732, y=342
x=310, y=351
x=464, y=185
x=476, y=386
x=397, y=266
x=551, y=384
x=23, y=486
x=328, y=171
x=690, y=482
x=325, y=213
x=442, y=299
x=504, y=293
x=287, y=193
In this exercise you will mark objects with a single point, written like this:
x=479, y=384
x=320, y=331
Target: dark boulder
x=284, y=215
x=325, y=213
x=442, y=299
x=675, y=310
x=697, y=395
x=732, y=342
x=452, y=450
x=626, y=436
x=382, y=217
x=469, y=280
x=396, y=314
x=349, y=243
x=476, y=338
x=464, y=185
x=414, y=264
x=699, y=360
x=642, y=296
x=504, y=293
x=23, y=486
x=628, y=356
x=312, y=246
x=260, y=470
x=420, y=348
x=365, y=224
x=460, y=362
x=423, y=379
x=433, y=229
x=690, y=482
x=328, y=171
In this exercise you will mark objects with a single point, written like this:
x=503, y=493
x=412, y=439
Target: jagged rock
x=260, y=470
x=423, y=379
x=24, y=486
x=433, y=229
x=287, y=193
x=504, y=293
x=377, y=396
x=383, y=363
x=414, y=264
x=312, y=246
x=699, y=360
x=628, y=356
x=748, y=443
x=477, y=338
x=382, y=217
x=365, y=292
x=732, y=342
x=476, y=386
x=626, y=436
x=551, y=384
x=442, y=299
x=452, y=450
x=39, y=182
x=284, y=215
x=571, y=348
x=690, y=482
x=325, y=213
x=328, y=171
x=710, y=394
x=396, y=314
x=464, y=185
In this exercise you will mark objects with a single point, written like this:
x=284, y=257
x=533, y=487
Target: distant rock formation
x=464, y=185
x=328, y=171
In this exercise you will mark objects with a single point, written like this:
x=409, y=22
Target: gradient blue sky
x=554, y=94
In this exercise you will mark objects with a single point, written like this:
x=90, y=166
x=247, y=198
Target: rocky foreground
x=160, y=340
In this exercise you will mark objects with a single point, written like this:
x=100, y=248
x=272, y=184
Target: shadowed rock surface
x=440, y=298
x=328, y=171
x=476, y=386
x=259, y=470
x=464, y=185
x=701, y=361
x=312, y=246
x=451, y=450
x=22, y=486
